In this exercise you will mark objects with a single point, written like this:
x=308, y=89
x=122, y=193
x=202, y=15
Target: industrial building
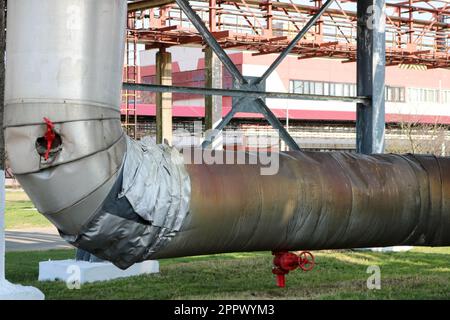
x=415, y=99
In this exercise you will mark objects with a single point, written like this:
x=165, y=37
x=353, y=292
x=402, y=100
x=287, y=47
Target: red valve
x=285, y=261
x=49, y=137
x=306, y=261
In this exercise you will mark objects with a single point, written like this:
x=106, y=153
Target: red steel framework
x=131, y=75
x=417, y=31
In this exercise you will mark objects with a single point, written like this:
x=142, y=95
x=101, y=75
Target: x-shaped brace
x=250, y=104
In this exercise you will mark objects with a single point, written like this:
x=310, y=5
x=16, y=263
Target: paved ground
x=34, y=239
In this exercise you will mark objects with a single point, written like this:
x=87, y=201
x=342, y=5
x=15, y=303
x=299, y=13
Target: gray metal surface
x=371, y=60
x=58, y=68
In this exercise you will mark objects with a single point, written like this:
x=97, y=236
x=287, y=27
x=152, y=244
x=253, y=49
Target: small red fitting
x=280, y=276
x=285, y=261
x=49, y=136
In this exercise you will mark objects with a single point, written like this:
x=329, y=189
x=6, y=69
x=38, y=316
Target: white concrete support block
x=72, y=271
x=9, y=291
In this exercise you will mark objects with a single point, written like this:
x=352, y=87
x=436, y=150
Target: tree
x=420, y=138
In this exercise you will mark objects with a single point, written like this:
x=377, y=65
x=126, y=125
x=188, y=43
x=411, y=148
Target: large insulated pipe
x=128, y=201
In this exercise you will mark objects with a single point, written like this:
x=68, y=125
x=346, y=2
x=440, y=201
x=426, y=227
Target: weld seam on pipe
x=15, y=117
x=47, y=203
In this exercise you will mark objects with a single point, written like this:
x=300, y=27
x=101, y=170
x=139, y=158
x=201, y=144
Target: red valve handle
x=306, y=261
x=49, y=137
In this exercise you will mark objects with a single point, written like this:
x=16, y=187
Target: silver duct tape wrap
x=156, y=183
x=144, y=210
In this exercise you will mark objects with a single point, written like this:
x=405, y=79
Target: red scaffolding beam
x=417, y=31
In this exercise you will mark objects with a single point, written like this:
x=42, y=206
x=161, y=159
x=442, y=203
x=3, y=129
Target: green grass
x=423, y=273
x=20, y=213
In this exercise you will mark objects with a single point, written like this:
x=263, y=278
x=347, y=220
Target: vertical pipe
x=2, y=140
x=164, y=100
x=371, y=61
x=54, y=59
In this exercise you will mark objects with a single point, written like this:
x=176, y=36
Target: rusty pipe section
x=317, y=201
x=128, y=201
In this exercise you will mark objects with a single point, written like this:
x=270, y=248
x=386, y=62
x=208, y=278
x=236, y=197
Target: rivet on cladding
x=49, y=145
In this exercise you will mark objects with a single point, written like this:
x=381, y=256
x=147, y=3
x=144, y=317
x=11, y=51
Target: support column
x=371, y=61
x=2, y=140
x=213, y=79
x=163, y=100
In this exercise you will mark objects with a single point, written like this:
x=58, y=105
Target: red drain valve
x=49, y=136
x=50, y=143
x=285, y=261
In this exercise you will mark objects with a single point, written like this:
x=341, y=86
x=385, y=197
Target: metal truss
x=417, y=31
x=248, y=103
x=370, y=43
